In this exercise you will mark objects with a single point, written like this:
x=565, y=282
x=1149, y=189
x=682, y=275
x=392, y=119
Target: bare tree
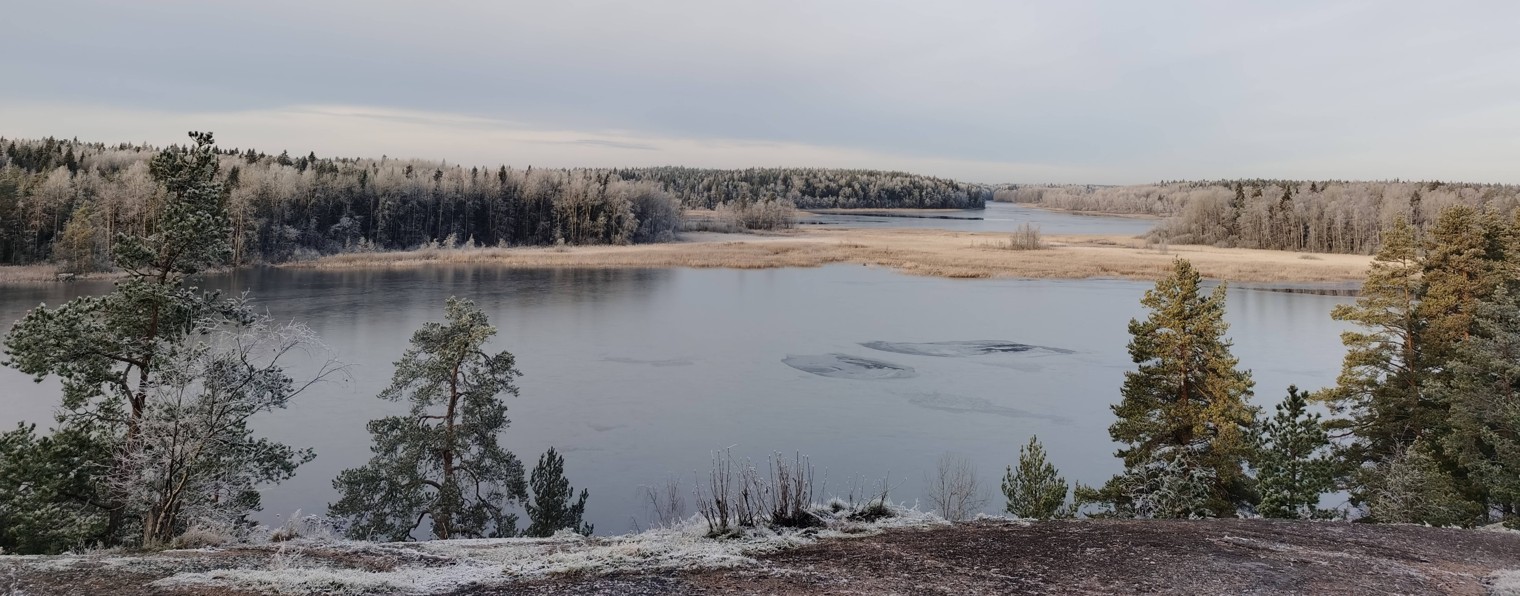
x=954, y=490
x=667, y=504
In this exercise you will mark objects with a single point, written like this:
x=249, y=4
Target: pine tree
x=1292, y=462
x=1412, y=487
x=1483, y=396
x=51, y=495
x=1184, y=413
x=551, y=510
x=1378, y=398
x=1462, y=267
x=1036, y=489
x=440, y=462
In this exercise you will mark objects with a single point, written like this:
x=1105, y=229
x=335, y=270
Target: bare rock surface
x=983, y=557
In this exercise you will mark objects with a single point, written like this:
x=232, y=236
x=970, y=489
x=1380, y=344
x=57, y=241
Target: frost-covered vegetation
x=312, y=566
x=1425, y=418
x=66, y=201
x=1318, y=216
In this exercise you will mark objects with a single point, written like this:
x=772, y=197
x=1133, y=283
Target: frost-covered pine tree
x=1184, y=417
x=1412, y=488
x=551, y=509
x=1035, y=489
x=440, y=463
x=1293, y=466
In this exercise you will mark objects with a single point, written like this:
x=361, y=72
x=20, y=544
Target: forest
x=66, y=201
x=153, y=444
x=1298, y=215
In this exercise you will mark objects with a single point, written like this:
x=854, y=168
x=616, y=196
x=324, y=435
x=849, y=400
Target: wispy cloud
x=1111, y=91
x=607, y=143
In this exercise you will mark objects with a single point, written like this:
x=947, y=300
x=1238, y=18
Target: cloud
x=1119, y=91
x=371, y=132
x=607, y=143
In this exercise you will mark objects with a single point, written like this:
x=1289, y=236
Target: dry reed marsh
x=917, y=251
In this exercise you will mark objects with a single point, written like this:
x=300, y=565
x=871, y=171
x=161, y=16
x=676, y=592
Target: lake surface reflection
x=640, y=374
x=996, y=217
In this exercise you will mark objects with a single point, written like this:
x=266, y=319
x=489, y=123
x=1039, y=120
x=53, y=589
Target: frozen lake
x=639, y=374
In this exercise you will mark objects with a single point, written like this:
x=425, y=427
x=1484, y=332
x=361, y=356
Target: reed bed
x=920, y=252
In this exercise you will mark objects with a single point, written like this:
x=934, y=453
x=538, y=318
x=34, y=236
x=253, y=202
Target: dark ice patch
x=957, y=349
x=976, y=405
x=845, y=366
x=669, y=362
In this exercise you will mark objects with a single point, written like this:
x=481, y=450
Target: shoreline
x=934, y=253
x=926, y=252
x=1043, y=207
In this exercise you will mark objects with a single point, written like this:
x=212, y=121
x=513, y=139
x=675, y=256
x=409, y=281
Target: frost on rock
x=1505, y=583
x=306, y=567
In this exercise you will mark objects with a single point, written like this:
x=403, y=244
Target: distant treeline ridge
x=1301, y=215
x=66, y=200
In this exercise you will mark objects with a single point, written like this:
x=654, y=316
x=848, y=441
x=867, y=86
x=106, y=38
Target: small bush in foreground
x=1036, y=489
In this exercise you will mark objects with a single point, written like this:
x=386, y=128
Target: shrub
x=954, y=490
x=1025, y=237
x=201, y=537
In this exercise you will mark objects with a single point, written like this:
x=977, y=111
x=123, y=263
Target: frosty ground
x=912, y=554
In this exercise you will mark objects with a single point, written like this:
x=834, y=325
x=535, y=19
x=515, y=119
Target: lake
x=997, y=217
x=640, y=374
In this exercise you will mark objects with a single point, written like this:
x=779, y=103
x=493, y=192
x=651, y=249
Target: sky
x=1107, y=92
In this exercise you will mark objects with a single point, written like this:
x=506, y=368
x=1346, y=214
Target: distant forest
x=65, y=200
x=1299, y=215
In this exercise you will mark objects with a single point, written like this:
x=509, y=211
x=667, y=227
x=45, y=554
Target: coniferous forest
x=65, y=201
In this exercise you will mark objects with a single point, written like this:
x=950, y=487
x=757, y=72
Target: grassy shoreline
x=937, y=253
x=928, y=252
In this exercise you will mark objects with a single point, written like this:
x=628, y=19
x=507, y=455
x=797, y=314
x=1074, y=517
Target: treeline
x=1319, y=216
x=66, y=201
x=814, y=188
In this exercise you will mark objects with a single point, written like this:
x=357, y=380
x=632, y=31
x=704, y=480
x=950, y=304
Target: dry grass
x=28, y=273
x=918, y=251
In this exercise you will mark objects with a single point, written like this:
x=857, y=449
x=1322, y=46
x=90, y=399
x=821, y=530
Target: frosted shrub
x=1025, y=237
x=739, y=498
x=954, y=490
x=202, y=537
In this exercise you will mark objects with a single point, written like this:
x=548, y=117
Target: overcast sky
x=994, y=91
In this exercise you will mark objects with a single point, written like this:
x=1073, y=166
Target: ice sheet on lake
x=975, y=405
x=845, y=366
x=956, y=349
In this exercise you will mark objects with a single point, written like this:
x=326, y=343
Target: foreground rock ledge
x=984, y=557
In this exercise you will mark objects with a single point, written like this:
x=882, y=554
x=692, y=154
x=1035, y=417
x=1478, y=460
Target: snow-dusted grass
x=305, y=566
x=1505, y=583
